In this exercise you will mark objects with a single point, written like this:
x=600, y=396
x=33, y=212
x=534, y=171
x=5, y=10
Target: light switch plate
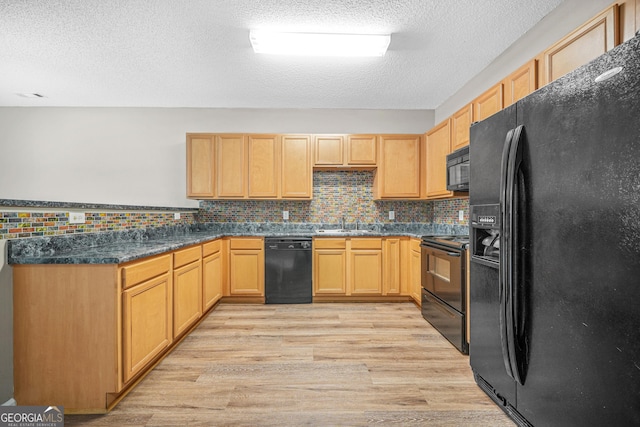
x=76, y=218
x=460, y=215
x=176, y=215
x=392, y=215
x=285, y=215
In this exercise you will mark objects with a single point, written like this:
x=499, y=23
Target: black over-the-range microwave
x=458, y=170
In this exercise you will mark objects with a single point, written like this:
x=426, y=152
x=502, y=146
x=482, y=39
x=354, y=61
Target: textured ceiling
x=196, y=53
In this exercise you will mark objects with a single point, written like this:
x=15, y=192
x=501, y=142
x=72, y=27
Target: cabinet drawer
x=246, y=243
x=211, y=248
x=145, y=270
x=186, y=256
x=366, y=243
x=329, y=244
x=415, y=244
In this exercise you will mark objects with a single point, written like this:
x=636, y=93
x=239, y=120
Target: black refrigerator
x=555, y=249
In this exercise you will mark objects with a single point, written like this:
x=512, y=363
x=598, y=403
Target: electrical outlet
x=392, y=215
x=176, y=215
x=460, y=215
x=76, y=218
x=285, y=215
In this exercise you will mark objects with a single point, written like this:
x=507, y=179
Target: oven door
x=442, y=273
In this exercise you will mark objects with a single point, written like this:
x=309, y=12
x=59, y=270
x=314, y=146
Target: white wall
x=136, y=156
x=568, y=16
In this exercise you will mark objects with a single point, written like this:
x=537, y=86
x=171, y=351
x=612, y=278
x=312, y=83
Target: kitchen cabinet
x=460, y=124
x=415, y=268
x=297, y=171
x=365, y=266
x=391, y=266
x=246, y=266
x=489, y=103
x=146, y=321
x=437, y=147
x=212, y=273
x=231, y=166
x=521, y=82
x=399, y=170
x=345, y=151
x=200, y=166
x=587, y=42
x=329, y=266
x=263, y=166
x=187, y=288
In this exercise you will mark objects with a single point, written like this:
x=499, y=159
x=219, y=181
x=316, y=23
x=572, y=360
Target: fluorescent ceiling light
x=317, y=44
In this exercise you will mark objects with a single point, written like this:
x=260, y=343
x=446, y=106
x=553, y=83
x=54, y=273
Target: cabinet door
x=232, y=166
x=328, y=150
x=488, y=103
x=416, y=276
x=398, y=174
x=391, y=266
x=365, y=272
x=146, y=312
x=200, y=166
x=362, y=150
x=460, y=124
x=263, y=166
x=187, y=297
x=329, y=271
x=437, y=146
x=521, y=82
x=297, y=172
x=212, y=273
x=591, y=40
x=246, y=272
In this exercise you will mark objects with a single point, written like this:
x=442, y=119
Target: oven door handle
x=441, y=251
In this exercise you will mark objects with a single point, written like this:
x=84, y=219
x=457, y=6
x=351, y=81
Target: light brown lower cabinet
x=246, y=266
x=146, y=321
x=187, y=289
x=84, y=334
x=212, y=273
x=415, y=268
x=357, y=266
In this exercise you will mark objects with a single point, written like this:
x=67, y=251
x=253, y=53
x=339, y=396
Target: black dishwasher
x=287, y=273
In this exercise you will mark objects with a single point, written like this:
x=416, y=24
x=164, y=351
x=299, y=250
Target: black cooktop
x=456, y=241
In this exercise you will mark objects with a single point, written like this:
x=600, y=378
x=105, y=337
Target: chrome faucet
x=342, y=223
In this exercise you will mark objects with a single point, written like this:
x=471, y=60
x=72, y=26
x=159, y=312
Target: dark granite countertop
x=122, y=246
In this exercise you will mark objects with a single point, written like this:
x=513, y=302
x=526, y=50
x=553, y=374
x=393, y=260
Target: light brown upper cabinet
x=200, y=166
x=521, y=82
x=362, y=150
x=297, y=172
x=328, y=150
x=591, y=40
x=437, y=146
x=251, y=166
x=488, y=103
x=232, y=166
x=345, y=151
x=398, y=175
x=264, y=171
x=460, y=124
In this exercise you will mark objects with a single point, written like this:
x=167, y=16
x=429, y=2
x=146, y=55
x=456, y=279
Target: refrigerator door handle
x=514, y=355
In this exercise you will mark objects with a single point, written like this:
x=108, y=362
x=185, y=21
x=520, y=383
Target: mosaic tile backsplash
x=347, y=194
x=336, y=195
x=34, y=224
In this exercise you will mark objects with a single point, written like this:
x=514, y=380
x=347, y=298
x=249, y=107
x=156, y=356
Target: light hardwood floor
x=343, y=364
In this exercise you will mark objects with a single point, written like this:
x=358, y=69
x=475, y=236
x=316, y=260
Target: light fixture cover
x=319, y=44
